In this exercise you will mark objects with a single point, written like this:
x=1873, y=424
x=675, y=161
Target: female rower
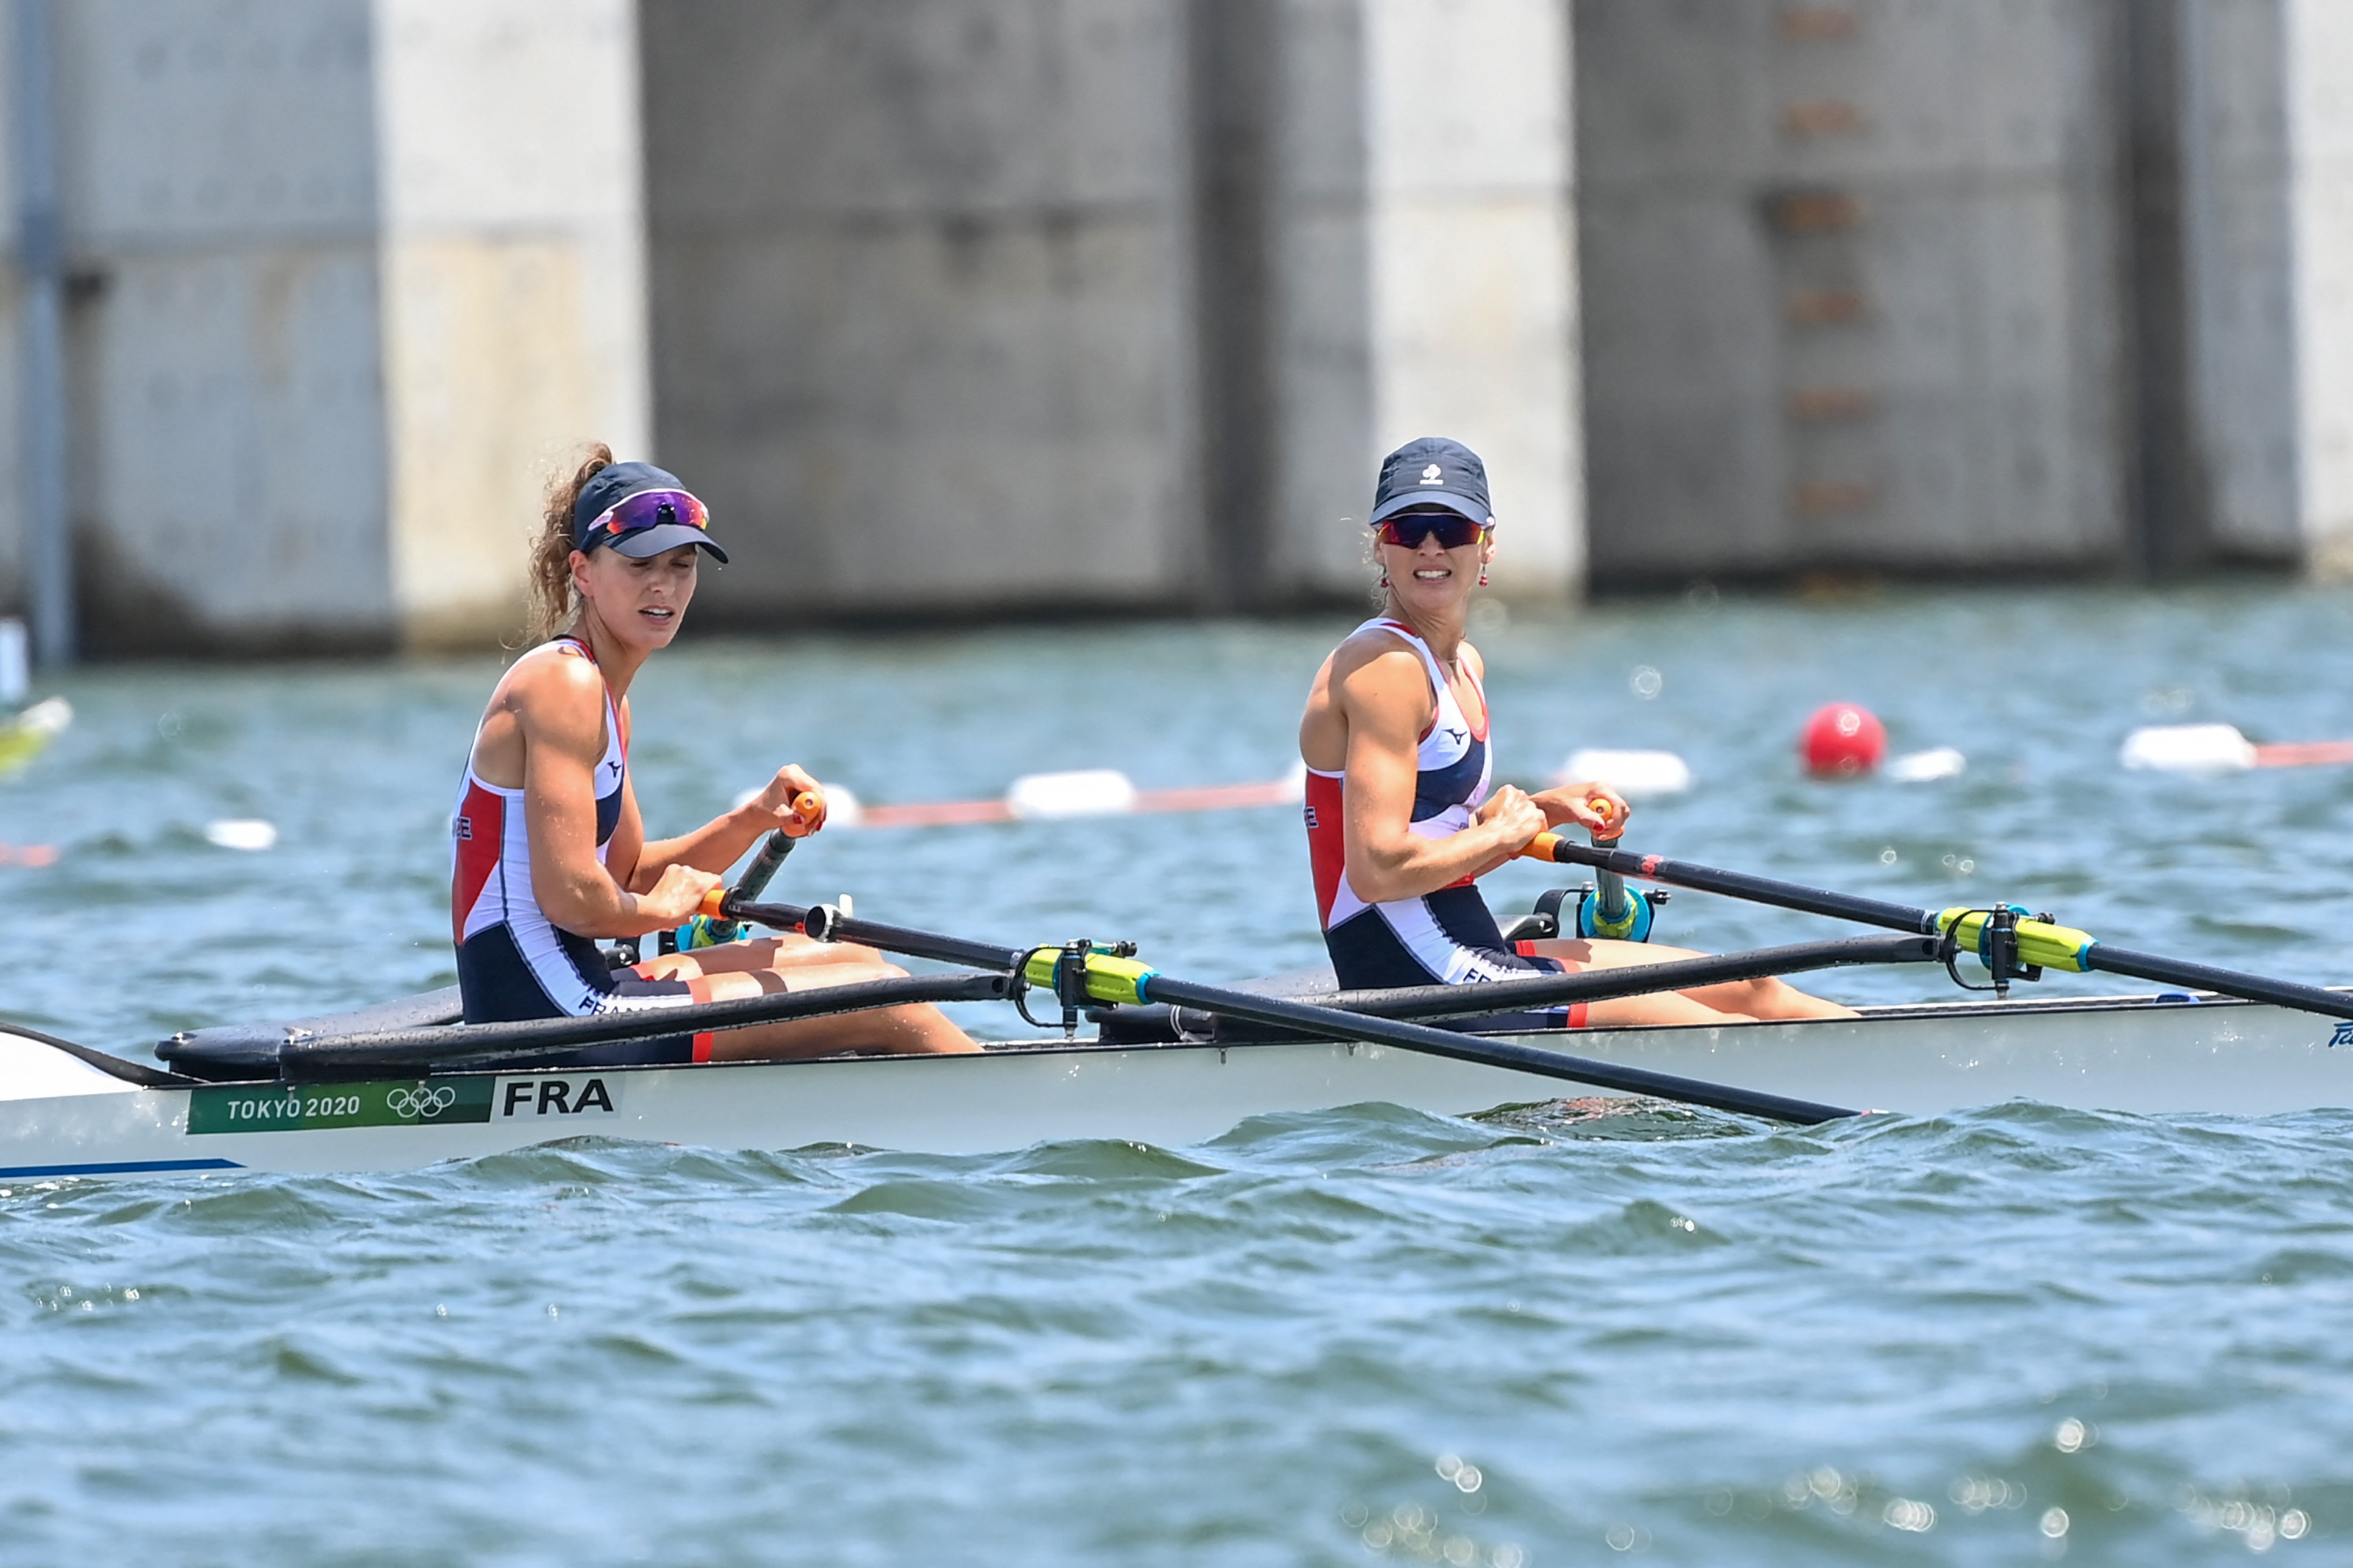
x=552, y=854
x=1395, y=740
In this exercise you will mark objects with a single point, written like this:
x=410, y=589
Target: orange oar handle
x=713, y=902
x=805, y=806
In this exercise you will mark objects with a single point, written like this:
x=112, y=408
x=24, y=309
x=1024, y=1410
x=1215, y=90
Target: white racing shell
x=60, y=1116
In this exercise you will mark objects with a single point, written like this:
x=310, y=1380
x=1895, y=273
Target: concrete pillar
x=512, y=267
x=220, y=183
x=1424, y=274
x=1321, y=321
x=2318, y=48
x=1473, y=241
x=1851, y=287
x=345, y=276
x=922, y=301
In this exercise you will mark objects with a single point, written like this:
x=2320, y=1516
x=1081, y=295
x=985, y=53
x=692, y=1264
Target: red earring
x=1482, y=576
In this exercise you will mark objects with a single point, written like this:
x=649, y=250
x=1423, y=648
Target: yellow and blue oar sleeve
x=1109, y=979
x=2040, y=942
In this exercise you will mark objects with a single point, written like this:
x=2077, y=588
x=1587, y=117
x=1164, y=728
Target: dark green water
x=2015, y=1334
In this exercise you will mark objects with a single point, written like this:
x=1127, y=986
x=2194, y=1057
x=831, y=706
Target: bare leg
x=1754, y=999
x=779, y=953
x=916, y=1029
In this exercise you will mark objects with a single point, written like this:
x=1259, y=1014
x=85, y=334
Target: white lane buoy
x=842, y=809
x=1921, y=767
x=48, y=718
x=1088, y=792
x=1632, y=773
x=247, y=832
x=2187, y=749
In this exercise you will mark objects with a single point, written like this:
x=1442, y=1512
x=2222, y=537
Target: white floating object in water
x=842, y=809
x=2187, y=749
x=48, y=717
x=1631, y=774
x=248, y=832
x=15, y=662
x=1295, y=781
x=1919, y=767
x=1089, y=792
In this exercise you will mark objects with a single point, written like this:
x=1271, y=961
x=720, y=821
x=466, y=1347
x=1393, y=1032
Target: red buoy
x=1842, y=740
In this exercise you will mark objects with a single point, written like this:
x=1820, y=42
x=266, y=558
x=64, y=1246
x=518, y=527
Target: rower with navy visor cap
x=551, y=855
x=1401, y=822
x=638, y=510
x=1431, y=486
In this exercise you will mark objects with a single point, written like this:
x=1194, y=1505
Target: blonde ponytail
x=553, y=601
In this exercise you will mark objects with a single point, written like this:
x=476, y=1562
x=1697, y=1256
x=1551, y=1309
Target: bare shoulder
x=1474, y=658
x=555, y=697
x=1373, y=658
x=1380, y=684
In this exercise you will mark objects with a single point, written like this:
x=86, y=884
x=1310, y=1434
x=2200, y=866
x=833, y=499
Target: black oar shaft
x=455, y=1046
x=839, y=927
x=1635, y=980
x=1328, y=1024
x=2099, y=955
x=1323, y=1023
x=1739, y=885
x=2230, y=982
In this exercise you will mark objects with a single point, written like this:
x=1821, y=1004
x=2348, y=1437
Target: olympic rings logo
x=421, y=1103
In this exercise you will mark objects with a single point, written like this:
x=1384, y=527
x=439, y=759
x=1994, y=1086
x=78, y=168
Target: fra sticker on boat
x=407, y=1102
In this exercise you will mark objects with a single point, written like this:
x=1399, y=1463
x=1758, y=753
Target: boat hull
x=59, y=1117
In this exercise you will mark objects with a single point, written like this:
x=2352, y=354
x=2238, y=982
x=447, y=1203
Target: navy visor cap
x=668, y=517
x=1432, y=472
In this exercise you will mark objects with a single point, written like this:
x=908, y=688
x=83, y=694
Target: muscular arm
x=1380, y=697
x=556, y=712
x=717, y=843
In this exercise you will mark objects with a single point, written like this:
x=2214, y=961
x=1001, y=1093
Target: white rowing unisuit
x=1446, y=937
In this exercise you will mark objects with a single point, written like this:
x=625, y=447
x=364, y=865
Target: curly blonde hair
x=553, y=602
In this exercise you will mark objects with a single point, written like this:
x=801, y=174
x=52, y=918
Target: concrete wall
x=2238, y=188
x=2318, y=50
x=1322, y=344
x=513, y=279
x=1851, y=291
x=921, y=296
x=345, y=277
x=12, y=492
x=219, y=165
x=1473, y=235
x=1093, y=301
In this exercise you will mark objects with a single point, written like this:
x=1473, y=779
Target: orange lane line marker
x=2304, y=753
x=938, y=814
x=28, y=853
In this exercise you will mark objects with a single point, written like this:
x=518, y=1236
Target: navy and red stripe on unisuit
x=1444, y=938
x=514, y=963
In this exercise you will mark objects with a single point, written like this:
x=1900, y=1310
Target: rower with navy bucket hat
x=1401, y=820
x=550, y=852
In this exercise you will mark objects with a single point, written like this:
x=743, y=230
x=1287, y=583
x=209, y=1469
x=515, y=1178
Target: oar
x=767, y=864
x=1537, y=991
x=1118, y=979
x=2040, y=942
x=458, y=1045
